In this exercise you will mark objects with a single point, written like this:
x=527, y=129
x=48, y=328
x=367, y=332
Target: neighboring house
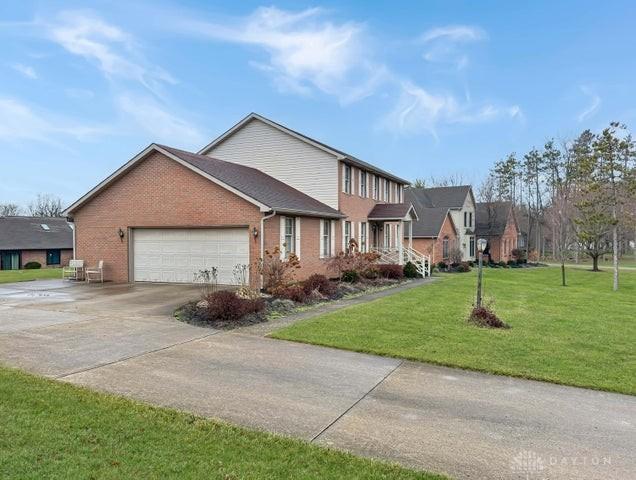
x=434, y=233
x=497, y=223
x=168, y=213
x=460, y=203
x=46, y=240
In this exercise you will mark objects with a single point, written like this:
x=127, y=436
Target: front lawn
x=10, y=276
x=55, y=430
x=582, y=335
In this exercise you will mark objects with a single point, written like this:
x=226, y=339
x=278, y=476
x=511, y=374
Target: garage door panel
x=175, y=255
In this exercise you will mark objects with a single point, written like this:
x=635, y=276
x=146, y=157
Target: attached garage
x=175, y=255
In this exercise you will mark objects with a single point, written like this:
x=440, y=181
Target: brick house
x=168, y=213
x=497, y=223
x=46, y=240
x=459, y=203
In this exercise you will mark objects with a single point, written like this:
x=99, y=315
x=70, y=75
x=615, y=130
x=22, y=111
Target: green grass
x=583, y=334
x=10, y=276
x=55, y=430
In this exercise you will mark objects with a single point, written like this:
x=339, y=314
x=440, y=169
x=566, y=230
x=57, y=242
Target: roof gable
x=451, y=197
x=492, y=218
x=251, y=184
x=338, y=154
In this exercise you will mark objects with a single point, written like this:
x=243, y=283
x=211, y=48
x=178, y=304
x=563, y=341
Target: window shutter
x=333, y=237
x=282, y=238
x=321, y=241
x=298, y=237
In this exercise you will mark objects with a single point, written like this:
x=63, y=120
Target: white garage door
x=175, y=255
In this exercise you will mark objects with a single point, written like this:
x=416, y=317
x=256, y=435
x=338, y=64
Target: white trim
x=140, y=156
x=297, y=245
x=344, y=222
x=321, y=234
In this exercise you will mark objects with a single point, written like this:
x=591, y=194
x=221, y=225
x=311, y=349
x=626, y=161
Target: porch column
x=400, y=239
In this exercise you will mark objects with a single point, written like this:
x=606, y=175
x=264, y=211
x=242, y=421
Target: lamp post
x=481, y=246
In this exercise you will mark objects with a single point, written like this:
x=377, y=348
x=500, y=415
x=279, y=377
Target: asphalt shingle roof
x=389, y=210
x=256, y=184
x=451, y=197
x=430, y=221
x=491, y=218
x=27, y=233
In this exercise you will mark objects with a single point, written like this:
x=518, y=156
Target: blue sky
x=418, y=88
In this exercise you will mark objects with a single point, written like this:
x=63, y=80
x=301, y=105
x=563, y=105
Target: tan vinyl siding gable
x=289, y=159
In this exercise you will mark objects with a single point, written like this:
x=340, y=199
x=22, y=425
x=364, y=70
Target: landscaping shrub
x=277, y=272
x=228, y=307
x=391, y=271
x=295, y=293
x=32, y=266
x=518, y=254
x=485, y=317
x=320, y=283
x=502, y=264
x=350, y=276
x=361, y=263
x=462, y=268
x=511, y=263
x=471, y=264
x=455, y=255
x=441, y=265
x=410, y=270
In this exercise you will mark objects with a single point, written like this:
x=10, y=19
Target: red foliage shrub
x=295, y=293
x=277, y=272
x=391, y=271
x=320, y=283
x=226, y=306
x=485, y=317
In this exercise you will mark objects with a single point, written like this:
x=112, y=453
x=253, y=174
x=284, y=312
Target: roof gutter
x=263, y=218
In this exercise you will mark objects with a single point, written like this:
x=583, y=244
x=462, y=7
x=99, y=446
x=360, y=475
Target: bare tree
x=9, y=209
x=46, y=205
x=452, y=180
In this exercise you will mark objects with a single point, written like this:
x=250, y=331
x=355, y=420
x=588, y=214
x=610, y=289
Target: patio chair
x=74, y=270
x=96, y=273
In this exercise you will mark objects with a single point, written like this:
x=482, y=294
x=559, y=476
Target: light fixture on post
x=482, y=243
x=121, y=234
x=255, y=232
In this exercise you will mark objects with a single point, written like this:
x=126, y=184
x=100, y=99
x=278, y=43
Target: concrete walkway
x=469, y=425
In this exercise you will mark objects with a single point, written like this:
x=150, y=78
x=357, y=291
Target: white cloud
x=25, y=70
x=455, y=33
x=592, y=107
x=420, y=111
x=444, y=44
x=162, y=125
x=305, y=51
x=20, y=122
x=112, y=50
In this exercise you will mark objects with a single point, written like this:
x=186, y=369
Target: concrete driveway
x=121, y=339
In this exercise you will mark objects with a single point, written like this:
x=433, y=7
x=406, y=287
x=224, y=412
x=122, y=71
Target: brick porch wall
x=40, y=257
x=434, y=246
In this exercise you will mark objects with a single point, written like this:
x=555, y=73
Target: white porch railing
x=392, y=255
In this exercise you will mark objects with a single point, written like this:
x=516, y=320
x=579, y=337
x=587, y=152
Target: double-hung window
x=445, y=248
x=472, y=247
x=387, y=191
x=346, y=238
x=325, y=240
x=363, y=183
x=376, y=187
x=290, y=236
x=363, y=236
x=470, y=219
x=465, y=219
x=347, y=178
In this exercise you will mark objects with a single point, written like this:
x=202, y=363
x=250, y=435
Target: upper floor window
x=363, y=183
x=376, y=187
x=465, y=219
x=399, y=193
x=387, y=191
x=347, y=178
x=470, y=219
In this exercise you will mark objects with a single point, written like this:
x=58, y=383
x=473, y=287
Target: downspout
x=71, y=224
x=265, y=217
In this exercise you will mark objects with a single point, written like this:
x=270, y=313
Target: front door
x=10, y=260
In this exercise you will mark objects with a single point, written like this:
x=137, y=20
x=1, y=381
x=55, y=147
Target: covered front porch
x=391, y=227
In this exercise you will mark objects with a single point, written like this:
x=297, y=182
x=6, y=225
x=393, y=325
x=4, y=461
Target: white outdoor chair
x=74, y=270
x=95, y=273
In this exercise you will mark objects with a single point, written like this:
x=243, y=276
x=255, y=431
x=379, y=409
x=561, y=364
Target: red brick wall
x=434, y=246
x=157, y=192
x=501, y=246
x=40, y=257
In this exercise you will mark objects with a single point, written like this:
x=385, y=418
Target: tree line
x=44, y=205
x=579, y=193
